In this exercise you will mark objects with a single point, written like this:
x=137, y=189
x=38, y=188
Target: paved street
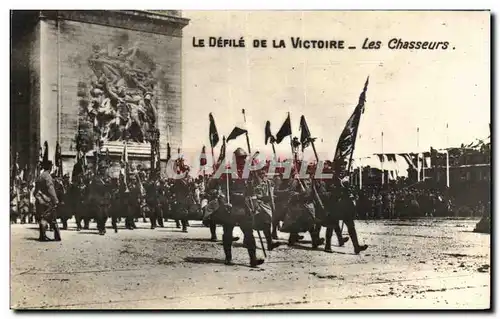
x=428, y=263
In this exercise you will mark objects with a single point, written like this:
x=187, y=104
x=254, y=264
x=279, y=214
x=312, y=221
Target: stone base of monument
x=483, y=226
x=133, y=149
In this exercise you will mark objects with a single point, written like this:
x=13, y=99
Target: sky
x=428, y=89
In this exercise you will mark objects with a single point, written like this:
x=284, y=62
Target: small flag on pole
x=285, y=130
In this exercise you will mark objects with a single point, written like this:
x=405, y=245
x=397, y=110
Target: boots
x=274, y=234
x=328, y=244
x=64, y=223
x=43, y=236
x=213, y=228
x=114, y=225
x=269, y=239
x=342, y=240
x=354, y=237
x=293, y=239
x=177, y=224
x=272, y=245
x=254, y=262
x=160, y=222
x=316, y=241
x=57, y=234
x=229, y=256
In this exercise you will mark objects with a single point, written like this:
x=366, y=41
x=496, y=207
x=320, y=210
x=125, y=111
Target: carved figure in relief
x=122, y=102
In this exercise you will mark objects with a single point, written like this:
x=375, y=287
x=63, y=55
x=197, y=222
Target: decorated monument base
x=109, y=74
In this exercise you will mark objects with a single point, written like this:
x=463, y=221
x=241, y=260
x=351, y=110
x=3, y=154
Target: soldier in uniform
x=346, y=206
x=132, y=198
x=100, y=199
x=262, y=205
x=24, y=203
x=234, y=211
x=46, y=203
x=152, y=188
x=14, y=209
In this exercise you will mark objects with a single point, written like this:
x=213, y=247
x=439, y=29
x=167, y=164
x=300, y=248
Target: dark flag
x=269, y=136
x=203, y=157
x=45, y=158
x=58, y=160
x=381, y=157
x=213, y=135
x=285, y=130
x=347, y=140
x=305, y=134
x=222, y=155
x=391, y=157
x=235, y=133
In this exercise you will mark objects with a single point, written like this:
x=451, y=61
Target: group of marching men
x=257, y=203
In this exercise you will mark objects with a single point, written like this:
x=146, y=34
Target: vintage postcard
x=170, y=159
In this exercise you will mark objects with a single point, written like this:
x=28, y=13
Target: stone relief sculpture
x=122, y=104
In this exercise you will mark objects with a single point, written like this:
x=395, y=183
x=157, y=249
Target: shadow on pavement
x=209, y=260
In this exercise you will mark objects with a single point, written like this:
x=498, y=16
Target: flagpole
x=213, y=158
x=362, y=104
x=246, y=133
x=383, y=159
x=360, y=177
x=447, y=169
x=447, y=136
x=250, y=154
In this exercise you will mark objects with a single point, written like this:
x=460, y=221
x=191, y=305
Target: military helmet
x=240, y=152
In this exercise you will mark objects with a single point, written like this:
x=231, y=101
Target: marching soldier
x=262, y=205
x=152, y=188
x=234, y=211
x=24, y=203
x=347, y=209
x=14, y=209
x=100, y=199
x=46, y=203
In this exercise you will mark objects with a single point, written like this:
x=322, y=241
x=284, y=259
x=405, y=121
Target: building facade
x=112, y=75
